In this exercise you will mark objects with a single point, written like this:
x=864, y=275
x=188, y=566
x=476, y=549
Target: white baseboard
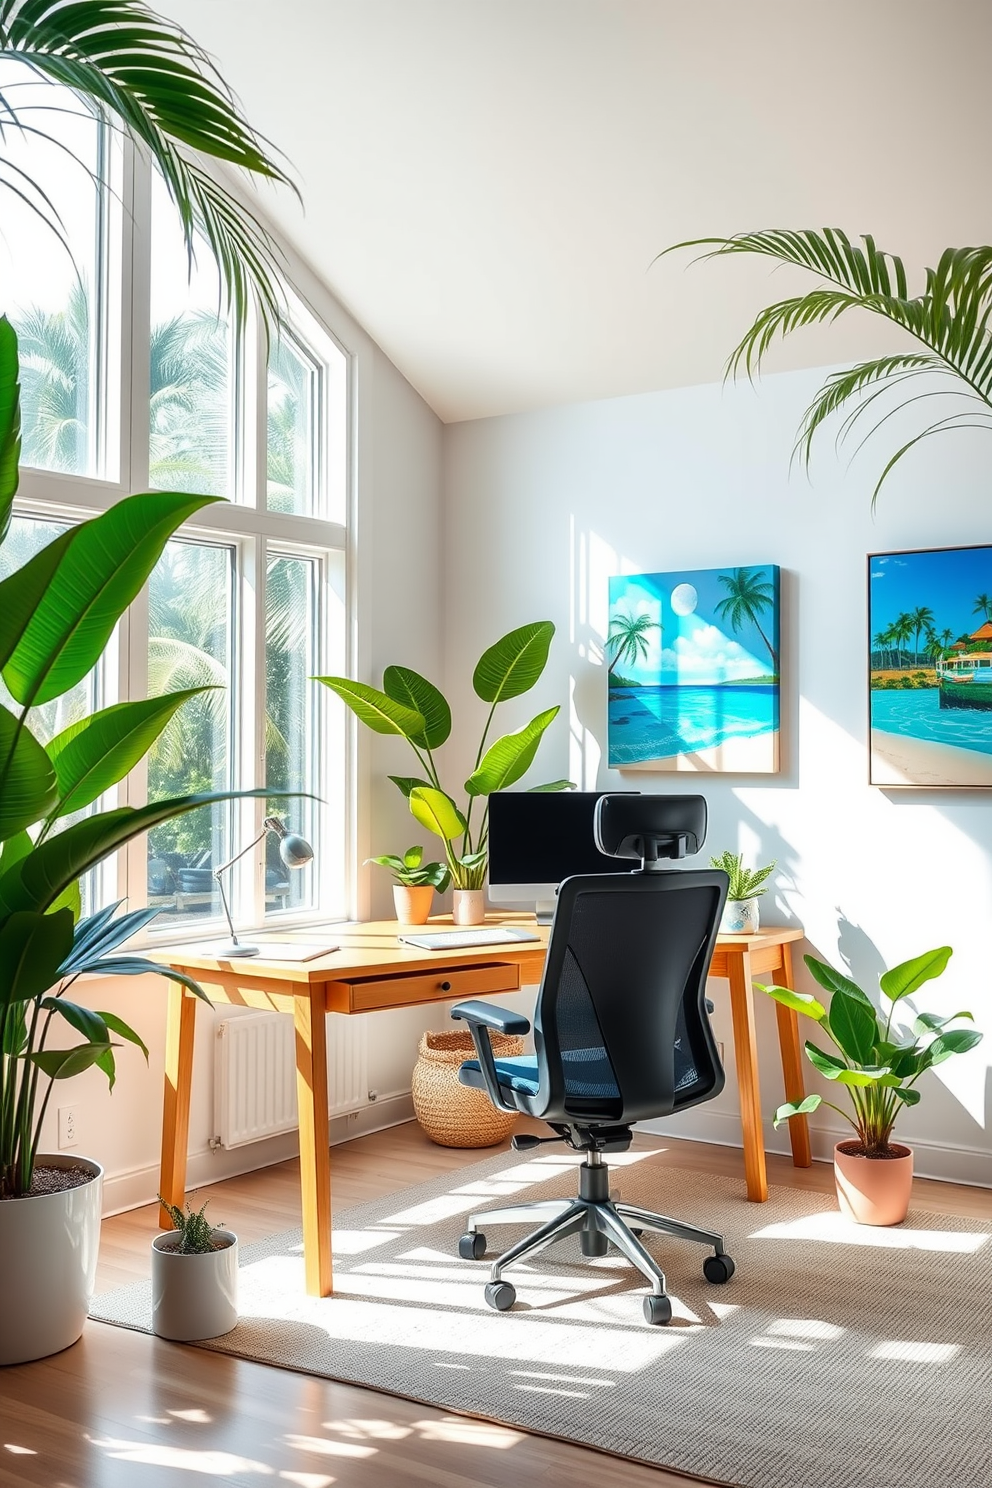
x=949, y=1164
x=138, y=1186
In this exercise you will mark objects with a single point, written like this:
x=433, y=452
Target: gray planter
x=194, y=1296
x=49, y=1245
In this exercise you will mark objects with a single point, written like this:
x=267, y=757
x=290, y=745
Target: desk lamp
x=294, y=851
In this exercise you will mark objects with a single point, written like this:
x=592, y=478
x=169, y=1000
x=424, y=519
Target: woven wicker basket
x=455, y=1115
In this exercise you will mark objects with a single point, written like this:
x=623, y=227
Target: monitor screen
x=538, y=838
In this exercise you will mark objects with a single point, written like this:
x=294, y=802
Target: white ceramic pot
x=468, y=906
x=194, y=1296
x=740, y=917
x=412, y=903
x=49, y=1245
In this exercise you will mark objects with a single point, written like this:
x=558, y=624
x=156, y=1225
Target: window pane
x=27, y=536
x=290, y=699
x=192, y=407
x=51, y=302
x=190, y=640
x=293, y=428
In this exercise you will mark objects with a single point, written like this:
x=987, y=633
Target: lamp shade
x=295, y=850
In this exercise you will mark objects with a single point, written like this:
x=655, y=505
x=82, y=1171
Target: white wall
x=541, y=508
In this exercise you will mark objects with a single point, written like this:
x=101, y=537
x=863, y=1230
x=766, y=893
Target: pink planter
x=874, y=1190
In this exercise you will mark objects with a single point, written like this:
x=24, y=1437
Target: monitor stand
x=544, y=910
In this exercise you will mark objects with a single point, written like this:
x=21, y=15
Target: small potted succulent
x=415, y=883
x=740, y=915
x=880, y=1066
x=194, y=1277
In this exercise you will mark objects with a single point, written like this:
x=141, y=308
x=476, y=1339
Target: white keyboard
x=462, y=940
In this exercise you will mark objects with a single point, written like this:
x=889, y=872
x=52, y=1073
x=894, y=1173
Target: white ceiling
x=486, y=182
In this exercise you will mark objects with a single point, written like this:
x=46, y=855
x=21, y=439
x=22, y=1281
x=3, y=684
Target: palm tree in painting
x=628, y=638
x=900, y=630
x=921, y=620
x=983, y=606
x=883, y=642
x=748, y=596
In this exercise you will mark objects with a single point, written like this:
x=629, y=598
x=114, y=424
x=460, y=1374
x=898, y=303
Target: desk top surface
x=372, y=949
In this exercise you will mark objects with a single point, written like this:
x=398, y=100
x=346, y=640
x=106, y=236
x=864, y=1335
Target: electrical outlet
x=68, y=1126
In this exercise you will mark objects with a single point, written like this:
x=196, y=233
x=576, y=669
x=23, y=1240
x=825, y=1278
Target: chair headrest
x=649, y=827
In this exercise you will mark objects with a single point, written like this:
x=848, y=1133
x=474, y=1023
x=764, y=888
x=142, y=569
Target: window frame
x=245, y=521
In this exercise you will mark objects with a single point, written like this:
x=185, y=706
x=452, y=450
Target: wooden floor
x=124, y=1410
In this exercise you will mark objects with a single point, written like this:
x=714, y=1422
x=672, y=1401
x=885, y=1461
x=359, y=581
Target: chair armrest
x=488, y=1015
x=481, y=1016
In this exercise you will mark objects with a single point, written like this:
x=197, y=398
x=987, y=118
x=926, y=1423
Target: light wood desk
x=371, y=972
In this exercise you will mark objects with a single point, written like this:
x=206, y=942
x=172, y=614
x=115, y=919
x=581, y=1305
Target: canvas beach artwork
x=930, y=667
x=693, y=670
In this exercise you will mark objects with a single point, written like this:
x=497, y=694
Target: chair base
x=599, y=1221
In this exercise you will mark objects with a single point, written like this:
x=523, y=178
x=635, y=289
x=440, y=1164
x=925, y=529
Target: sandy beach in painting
x=899, y=760
x=742, y=756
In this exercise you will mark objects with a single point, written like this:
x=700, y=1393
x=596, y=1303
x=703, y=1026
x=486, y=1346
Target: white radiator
x=255, y=1074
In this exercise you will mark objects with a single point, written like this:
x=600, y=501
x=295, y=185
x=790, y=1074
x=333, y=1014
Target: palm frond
x=950, y=318
x=149, y=75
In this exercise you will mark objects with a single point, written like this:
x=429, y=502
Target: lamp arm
x=231, y=861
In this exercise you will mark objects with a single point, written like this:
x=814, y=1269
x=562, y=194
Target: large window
x=124, y=338
x=53, y=292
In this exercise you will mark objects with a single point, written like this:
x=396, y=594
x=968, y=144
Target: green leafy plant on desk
x=412, y=872
x=877, y=1066
x=411, y=706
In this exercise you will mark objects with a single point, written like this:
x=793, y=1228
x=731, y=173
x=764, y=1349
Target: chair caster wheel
x=718, y=1269
x=501, y=1295
x=472, y=1247
x=657, y=1310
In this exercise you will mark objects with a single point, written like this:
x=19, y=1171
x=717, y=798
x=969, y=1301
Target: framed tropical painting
x=693, y=670
x=930, y=667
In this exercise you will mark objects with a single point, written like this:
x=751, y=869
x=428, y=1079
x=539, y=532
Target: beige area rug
x=837, y=1357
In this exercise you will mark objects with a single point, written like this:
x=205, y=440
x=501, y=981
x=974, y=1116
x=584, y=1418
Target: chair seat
x=587, y=1072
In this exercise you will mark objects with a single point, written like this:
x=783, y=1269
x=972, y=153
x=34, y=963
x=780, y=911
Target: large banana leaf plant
x=57, y=613
x=411, y=706
x=949, y=320
x=154, y=83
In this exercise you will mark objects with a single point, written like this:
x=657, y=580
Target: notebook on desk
x=462, y=940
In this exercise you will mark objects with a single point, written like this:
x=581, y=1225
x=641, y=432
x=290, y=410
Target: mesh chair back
x=620, y=1028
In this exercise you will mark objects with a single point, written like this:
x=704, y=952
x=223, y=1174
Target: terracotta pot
x=49, y=1244
x=194, y=1296
x=874, y=1190
x=468, y=906
x=413, y=903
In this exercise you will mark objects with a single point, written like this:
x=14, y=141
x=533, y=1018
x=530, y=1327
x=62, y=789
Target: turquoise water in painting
x=917, y=714
x=647, y=723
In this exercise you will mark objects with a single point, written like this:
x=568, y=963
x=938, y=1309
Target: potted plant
x=415, y=883
x=880, y=1067
x=740, y=915
x=194, y=1277
x=411, y=706
x=57, y=613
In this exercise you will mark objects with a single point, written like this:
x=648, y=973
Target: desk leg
x=180, y=1024
x=792, y=1065
x=746, y=1054
x=315, y=1158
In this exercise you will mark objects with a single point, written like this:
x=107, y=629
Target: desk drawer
x=430, y=986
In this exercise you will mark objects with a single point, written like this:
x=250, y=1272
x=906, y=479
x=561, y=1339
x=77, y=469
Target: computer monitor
x=538, y=838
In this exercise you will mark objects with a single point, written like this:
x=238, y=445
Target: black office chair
x=621, y=1035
